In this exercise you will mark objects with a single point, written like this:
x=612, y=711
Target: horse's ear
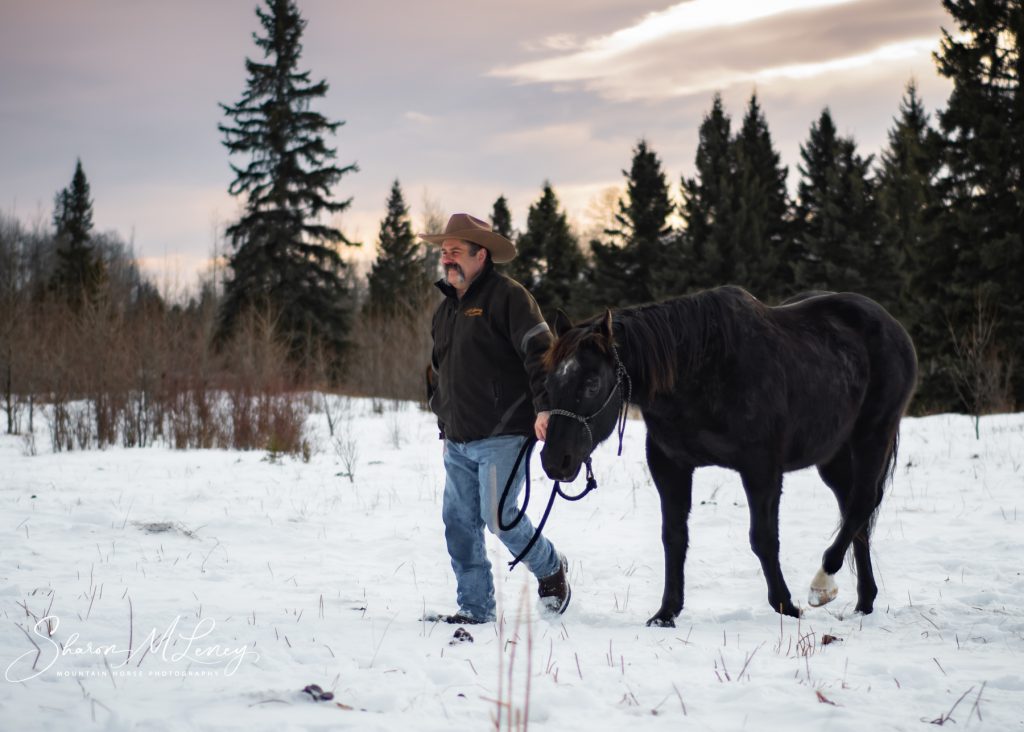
x=606, y=326
x=561, y=323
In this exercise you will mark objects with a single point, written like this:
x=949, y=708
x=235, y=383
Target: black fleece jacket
x=487, y=355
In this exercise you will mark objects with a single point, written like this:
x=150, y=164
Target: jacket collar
x=485, y=274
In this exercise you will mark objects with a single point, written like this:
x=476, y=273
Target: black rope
x=527, y=450
x=556, y=490
x=621, y=376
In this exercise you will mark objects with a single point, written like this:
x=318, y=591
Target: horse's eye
x=590, y=387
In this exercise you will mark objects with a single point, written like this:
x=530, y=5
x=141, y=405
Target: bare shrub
x=336, y=409
x=281, y=424
x=346, y=447
x=134, y=374
x=982, y=371
x=82, y=425
x=58, y=421
x=128, y=368
x=388, y=354
x=393, y=422
x=265, y=411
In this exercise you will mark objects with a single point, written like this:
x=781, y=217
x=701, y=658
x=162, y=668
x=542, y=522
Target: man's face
x=461, y=267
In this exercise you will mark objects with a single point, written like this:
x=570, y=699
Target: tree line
x=931, y=228
x=895, y=228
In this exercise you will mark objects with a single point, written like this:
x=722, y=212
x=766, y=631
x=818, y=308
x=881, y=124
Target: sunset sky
x=461, y=100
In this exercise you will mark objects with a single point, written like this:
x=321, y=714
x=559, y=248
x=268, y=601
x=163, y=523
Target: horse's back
x=857, y=313
x=800, y=378
x=854, y=322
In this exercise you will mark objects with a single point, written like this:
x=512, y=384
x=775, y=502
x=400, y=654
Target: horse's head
x=584, y=373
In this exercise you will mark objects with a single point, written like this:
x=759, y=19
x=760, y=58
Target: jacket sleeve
x=531, y=337
x=432, y=374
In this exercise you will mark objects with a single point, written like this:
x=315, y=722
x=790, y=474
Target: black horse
x=722, y=379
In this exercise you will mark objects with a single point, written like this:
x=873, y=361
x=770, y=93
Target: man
x=489, y=338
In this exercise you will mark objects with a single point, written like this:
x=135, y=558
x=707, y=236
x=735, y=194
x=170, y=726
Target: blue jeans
x=476, y=473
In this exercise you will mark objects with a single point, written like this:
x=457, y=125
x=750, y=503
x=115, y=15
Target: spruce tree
x=709, y=201
x=906, y=191
x=635, y=264
x=285, y=258
x=837, y=231
x=501, y=219
x=526, y=267
x=760, y=217
x=908, y=208
x=523, y=267
x=397, y=280
x=79, y=269
x=561, y=262
x=981, y=186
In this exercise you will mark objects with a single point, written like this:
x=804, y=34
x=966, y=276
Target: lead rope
x=621, y=375
x=527, y=451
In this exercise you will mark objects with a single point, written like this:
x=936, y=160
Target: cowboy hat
x=471, y=229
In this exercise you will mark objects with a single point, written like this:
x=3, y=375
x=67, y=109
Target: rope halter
x=621, y=377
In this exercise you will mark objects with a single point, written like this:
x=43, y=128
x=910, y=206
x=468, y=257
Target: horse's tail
x=886, y=477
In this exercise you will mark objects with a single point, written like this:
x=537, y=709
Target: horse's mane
x=660, y=340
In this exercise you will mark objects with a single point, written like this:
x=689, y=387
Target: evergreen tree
x=908, y=207
x=79, y=269
x=526, y=267
x=709, y=201
x=837, y=231
x=398, y=280
x=760, y=217
x=981, y=187
x=501, y=219
x=284, y=256
x=561, y=262
x=632, y=265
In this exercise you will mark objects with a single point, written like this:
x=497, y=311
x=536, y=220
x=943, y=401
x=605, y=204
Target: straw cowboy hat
x=471, y=229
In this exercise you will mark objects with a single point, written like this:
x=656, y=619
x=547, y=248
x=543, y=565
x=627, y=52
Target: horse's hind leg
x=856, y=476
x=675, y=485
x=764, y=491
x=838, y=475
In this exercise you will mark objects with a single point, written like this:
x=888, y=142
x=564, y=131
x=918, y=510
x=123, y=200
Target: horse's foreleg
x=674, y=483
x=764, y=490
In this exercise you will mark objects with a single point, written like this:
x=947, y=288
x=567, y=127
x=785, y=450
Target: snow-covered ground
x=204, y=590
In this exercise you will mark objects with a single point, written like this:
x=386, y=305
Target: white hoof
x=823, y=589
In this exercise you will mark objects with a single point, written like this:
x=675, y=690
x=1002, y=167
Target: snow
x=265, y=576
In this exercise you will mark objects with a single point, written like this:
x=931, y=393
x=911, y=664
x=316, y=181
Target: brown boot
x=554, y=591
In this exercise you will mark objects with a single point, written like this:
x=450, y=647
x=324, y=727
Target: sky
x=460, y=100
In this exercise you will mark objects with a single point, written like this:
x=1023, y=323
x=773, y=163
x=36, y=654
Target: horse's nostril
x=565, y=462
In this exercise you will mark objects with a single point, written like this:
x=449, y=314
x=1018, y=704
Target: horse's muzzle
x=563, y=468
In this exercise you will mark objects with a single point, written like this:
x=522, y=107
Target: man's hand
x=540, y=427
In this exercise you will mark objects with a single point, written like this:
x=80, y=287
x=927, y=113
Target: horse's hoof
x=660, y=622
x=788, y=608
x=823, y=589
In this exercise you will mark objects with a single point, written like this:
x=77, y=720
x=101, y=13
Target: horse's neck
x=658, y=340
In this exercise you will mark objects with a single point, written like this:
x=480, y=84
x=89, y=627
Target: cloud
x=557, y=42
x=419, y=117
x=556, y=136
x=701, y=45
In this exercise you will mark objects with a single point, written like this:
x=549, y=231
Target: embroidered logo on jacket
x=473, y=312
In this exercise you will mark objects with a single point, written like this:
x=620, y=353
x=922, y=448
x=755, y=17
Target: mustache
x=449, y=267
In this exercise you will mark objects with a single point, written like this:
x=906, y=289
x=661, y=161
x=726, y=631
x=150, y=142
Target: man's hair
x=472, y=249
